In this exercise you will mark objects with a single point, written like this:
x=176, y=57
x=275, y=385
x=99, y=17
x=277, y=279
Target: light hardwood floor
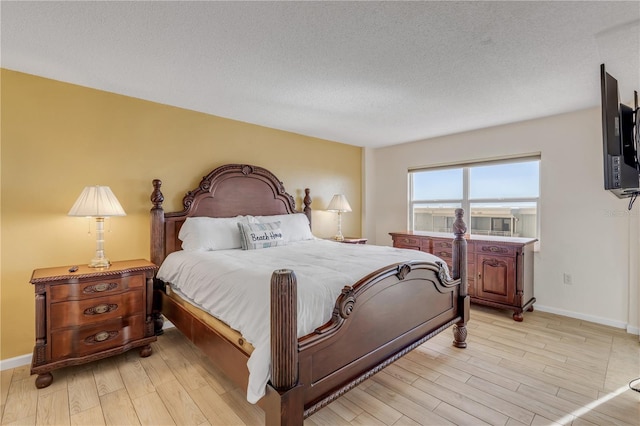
x=546, y=370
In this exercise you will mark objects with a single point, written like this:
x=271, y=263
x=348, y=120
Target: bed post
x=284, y=403
x=157, y=249
x=460, y=271
x=307, y=204
x=157, y=224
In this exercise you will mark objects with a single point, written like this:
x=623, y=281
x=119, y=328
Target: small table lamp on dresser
x=339, y=204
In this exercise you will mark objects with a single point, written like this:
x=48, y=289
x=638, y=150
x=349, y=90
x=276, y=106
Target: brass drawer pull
x=495, y=249
x=100, y=337
x=99, y=288
x=101, y=309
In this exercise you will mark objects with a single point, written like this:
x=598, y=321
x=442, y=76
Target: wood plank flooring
x=546, y=370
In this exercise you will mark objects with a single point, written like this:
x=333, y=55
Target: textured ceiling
x=364, y=73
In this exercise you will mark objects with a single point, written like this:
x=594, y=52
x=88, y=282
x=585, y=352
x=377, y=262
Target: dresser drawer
x=89, y=311
x=81, y=341
x=407, y=242
x=499, y=249
x=444, y=254
x=95, y=287
x=442, y=244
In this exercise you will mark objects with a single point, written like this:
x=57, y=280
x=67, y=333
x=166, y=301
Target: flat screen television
x=619, y=132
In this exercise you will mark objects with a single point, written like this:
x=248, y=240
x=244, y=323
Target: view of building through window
x=502, y=198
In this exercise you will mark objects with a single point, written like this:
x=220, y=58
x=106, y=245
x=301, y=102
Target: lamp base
x=99, y=263
x=338, y=237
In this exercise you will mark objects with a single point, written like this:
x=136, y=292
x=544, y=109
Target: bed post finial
x=460, y=271
x=156, y=196
x=307, y=204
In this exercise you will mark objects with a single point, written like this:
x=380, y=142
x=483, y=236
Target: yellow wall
x=58, y=138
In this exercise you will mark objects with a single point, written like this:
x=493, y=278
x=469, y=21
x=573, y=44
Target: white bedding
x=234, y=286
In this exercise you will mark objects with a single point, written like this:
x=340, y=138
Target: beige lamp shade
x=339, y=203
x=97, y=201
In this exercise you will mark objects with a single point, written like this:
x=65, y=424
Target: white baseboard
x=590, y=318
x=633, y=330
x=19, y=361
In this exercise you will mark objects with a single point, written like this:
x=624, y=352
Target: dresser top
x=490, y=238
x=61, y=273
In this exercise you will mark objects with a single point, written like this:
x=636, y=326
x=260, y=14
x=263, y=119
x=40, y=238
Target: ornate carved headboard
x=228, y=191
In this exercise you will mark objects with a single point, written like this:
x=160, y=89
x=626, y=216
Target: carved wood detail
x=443, y=275
x=156, y=196
x=346, y=301
x=403, y=270
x=494, y=263
x=39, y=354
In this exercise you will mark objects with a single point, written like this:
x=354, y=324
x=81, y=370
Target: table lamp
x=339, y=204
x=99, y=202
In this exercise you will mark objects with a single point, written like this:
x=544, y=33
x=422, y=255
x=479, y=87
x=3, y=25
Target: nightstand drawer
x=89, y=311
x=81, y=341
x=87, y=289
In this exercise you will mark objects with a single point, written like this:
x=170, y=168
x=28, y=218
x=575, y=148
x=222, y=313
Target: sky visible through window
x=511, y=180
x=496, y=181
x=438, y=185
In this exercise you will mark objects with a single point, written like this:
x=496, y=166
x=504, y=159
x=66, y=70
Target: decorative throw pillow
x=212, y=233
x=294, y=226
x=260, y=235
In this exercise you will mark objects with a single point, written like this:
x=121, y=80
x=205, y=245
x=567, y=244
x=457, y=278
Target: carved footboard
x=376, y=321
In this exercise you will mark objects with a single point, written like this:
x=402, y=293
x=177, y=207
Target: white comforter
x=234, y=286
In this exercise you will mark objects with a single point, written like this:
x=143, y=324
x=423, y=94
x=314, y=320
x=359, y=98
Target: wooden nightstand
x=90, y=314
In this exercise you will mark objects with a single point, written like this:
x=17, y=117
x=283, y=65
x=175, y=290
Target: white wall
x=584, y=230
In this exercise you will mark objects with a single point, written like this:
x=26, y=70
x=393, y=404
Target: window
x=499, y=197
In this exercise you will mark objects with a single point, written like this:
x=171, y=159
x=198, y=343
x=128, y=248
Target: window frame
x=465, y=202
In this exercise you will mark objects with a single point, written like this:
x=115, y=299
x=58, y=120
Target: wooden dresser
x=499, y=269
x=91, y=313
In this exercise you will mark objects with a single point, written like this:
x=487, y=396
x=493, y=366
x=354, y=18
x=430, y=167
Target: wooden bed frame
x=375, y=321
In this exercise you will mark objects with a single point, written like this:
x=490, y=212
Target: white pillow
x=212, y=233
x=295, y=227
x=260, y=235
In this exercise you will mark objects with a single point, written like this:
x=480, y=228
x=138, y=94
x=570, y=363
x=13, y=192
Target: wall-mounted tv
x=619, y=140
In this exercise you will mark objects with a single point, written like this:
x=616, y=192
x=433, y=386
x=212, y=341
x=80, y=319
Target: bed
x=374, y=320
